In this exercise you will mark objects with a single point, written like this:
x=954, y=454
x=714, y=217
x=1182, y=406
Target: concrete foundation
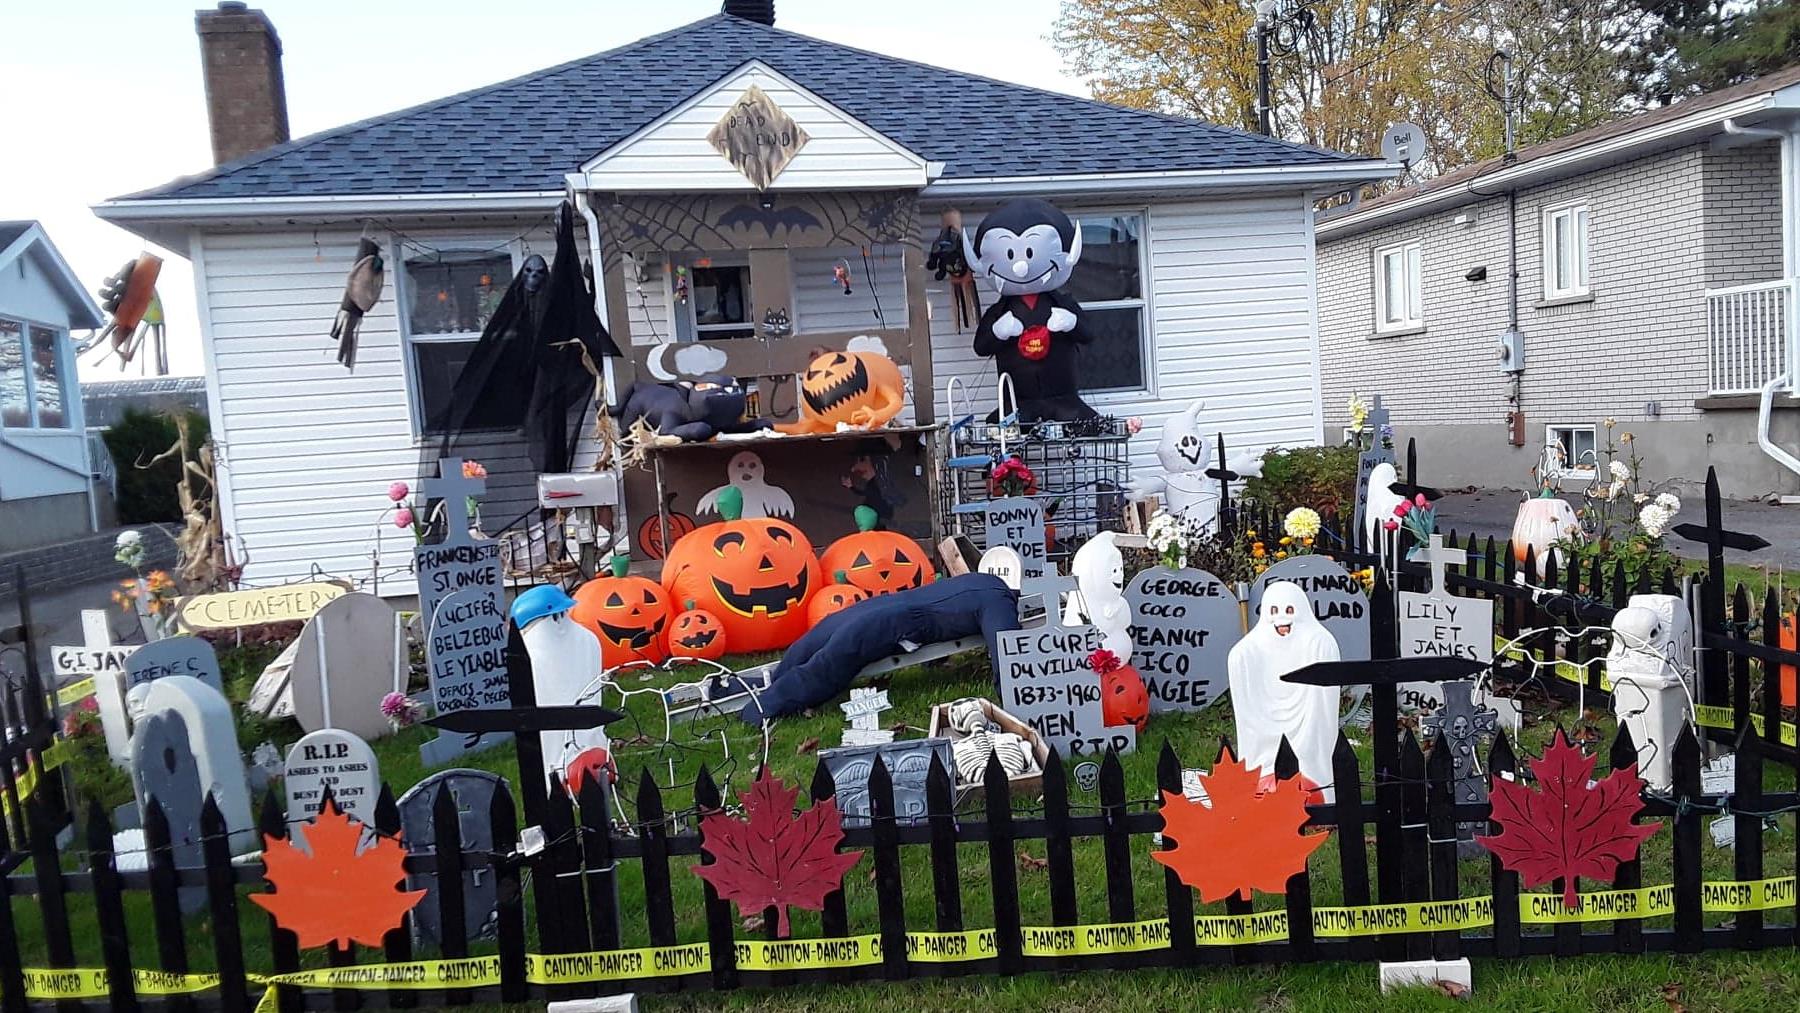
x=42, y=520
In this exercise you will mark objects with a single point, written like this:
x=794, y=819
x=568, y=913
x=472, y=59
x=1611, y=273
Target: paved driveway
x=1490, y=512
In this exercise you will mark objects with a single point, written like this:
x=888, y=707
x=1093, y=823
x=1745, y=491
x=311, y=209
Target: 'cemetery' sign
x=1018, y=522
x=258, y=605
x=1183, y=624
x=1045, y=681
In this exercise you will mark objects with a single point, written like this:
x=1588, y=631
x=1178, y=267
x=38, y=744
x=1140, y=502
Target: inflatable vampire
x=1027, y=250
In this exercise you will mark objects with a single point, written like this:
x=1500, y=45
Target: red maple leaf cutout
x=1565, y=827
x=335, y=894
x=774, y=858
x=1249, y=839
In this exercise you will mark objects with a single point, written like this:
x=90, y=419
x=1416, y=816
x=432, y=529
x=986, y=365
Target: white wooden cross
x=454, y=488
x=864, y=711
x=1437, y=556
x=99, y=658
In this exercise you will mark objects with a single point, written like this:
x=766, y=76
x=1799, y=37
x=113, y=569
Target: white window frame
x=1580, y=219
x=1411, y=257
x=1569, y=469
x=397, y=255
x=1146, y=353
x=65, y=365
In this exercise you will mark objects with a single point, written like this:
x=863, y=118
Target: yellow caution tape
x=81, y=689
x=1424, y=916
x=458, y=972
x=950, y=947
x=1566, y=670
x=93, y=983
x=1722, y=717
x=1600, y=906
x=799, y=954
x=1234, y=930
x=1081, y=940
x=617, y=965
x=1750, y=895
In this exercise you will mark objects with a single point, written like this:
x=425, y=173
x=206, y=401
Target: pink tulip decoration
x=398, y=491
x=403, y=518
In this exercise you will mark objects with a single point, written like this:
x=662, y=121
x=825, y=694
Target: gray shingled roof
x=525, y=134
x=11, y=231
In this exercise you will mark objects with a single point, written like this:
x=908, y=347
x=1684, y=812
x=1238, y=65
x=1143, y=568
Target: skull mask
x=534, y=273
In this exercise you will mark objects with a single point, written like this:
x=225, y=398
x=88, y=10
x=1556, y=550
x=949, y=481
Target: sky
x=104, y=97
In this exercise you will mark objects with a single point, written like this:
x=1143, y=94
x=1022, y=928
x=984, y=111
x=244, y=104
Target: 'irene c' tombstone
x=465, y=654
x=473, y=791
x=1018, y=522
x=104, y=662
x=460, y=561
x=350, y=656
x=335, y=759
x=1337, y=599
x=1045, y=681
x=188, y=656
x=1183, y=624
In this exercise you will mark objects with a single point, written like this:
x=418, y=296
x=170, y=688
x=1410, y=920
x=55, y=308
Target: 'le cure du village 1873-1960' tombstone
x=466, y=657
x=473, y=792
x=336, y=759
x=1337, y=600
x=104, y=662
x=461, y=560
x=1183, y=625
x=1045, y=681
x=1018, y=522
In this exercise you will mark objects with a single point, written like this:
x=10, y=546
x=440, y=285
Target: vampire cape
x=531, y=353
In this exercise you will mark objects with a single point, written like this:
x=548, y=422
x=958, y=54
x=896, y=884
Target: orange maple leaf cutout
x=336, y=894
x=1249, y=839
x=774, y=858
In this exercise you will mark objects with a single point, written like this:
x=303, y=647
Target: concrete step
x=84, y=560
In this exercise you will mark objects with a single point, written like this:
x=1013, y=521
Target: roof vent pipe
x=760, y=11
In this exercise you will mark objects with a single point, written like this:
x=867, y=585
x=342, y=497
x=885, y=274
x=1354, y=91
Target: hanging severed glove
x=361, y=290
x=126, y=296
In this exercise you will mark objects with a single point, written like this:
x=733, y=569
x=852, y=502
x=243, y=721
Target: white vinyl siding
x=820, y=304
x=1399, y=288
x=1566, y=252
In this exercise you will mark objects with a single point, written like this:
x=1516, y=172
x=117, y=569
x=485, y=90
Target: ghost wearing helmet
x=1286, y=638
x=1027, y=250
x=565, y=665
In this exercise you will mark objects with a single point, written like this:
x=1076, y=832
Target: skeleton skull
x=535, y=273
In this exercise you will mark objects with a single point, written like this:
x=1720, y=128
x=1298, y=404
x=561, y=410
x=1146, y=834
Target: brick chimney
x=246, y=102
x=762, y=11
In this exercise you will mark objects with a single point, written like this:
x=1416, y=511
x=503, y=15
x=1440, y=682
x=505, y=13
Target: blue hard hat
x=535, y=603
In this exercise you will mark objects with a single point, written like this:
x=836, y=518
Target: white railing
x=1747, y=332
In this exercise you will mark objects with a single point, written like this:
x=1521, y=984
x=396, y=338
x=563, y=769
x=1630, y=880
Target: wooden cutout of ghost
x=1286, y=638
x=565, y=664
x=745, y=471
x=1184, y=488
x=1099, y=572
x=1378, y=507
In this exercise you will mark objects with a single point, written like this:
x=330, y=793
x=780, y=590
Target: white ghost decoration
x=745, y=470
x=565, y=663
x=1379, y=501
x=1099, y=572
x=1652, y=653
x=1286, y=638
x=1185, y=454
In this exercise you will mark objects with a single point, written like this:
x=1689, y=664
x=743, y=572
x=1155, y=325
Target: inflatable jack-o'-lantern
x=861, y=389
x=754, y=573
x=697, y=635
x=1123, y=698
x=627, y=613
x=833, y=597
x=879, y=562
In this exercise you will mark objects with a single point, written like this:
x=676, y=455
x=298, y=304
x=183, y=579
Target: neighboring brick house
x=1653, y=287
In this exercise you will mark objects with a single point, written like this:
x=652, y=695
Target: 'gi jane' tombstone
x=351, y=655
x=1337, y=599
x=908, y=763
x=459, y=561
x=474, y=792
x=1046, y=682
x=336, y=759
x=466, y=656
x=1183, y=624
x=1466, y=729
x=1018, y=522
x=163, y=768
x=189, y=656
x=1439, y=624
x=212, y=742
x=99, y=659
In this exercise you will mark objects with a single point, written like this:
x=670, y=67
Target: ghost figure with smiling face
x=745, y=472
x=1184, y=487
x=1099, y=572
x=1286, y=638
x=1027, y=250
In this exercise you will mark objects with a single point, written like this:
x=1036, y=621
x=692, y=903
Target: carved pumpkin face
x=836, y=384
x=879, y=562
x=1123, y=698
x=697, y=633
x=628, y=614
x=833, y=598
x=755, y=574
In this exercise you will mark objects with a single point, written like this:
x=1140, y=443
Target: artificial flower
x=1302, y=522
x=1103, y=661
x=403, y=518
x=1654, y=520
x=474, y=469
x=1620, y=470
x=401, y=710
x=1359, y=412
x=398, y=491
x=1134, y=425
x=1669, y=502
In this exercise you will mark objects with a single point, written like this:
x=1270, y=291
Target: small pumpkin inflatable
x=697, y=635
x=627, y=613
x=755, y=574
x=879, y=562
x=1123, y=698
x=861, y=389
x=650, y=532
x=834, y=597
x=1542, y=521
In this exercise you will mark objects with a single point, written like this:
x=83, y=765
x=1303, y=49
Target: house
x=1645, y=268
x=47, y=490
x=1200, y=240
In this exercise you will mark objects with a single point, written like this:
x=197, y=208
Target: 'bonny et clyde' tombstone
x=1018, y=522
x=460, y=561
x=1337, y=599
x=466, y=657
x=1046, y=682
x=1183, y=625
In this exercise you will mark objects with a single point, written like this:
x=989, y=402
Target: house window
x=448, y=298
x=32, y=394
x=1109, y=284
x=720, y=300
x=1566, y=252
x=1569, y=451
x=1399, y=291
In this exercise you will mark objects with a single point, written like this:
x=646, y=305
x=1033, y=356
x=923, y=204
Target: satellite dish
x=1404, y=143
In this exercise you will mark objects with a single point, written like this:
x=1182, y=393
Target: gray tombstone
x=349, y=658
x=908, y=763
x=1045, y=681
x=1018, y=522
x=461, y=561
x=466, y=656
x=1183, y=626
x=1365, y=463
x=473, y=791
x=335, y=759
x=184, y=655
x=1465, y=728
x=212, y=741
x=163, y=768
x=1337, y=599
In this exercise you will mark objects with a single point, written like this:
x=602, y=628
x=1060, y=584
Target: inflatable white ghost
x=1099, y=572
x=1286, y=638
x=745, y=470
x=1379, y=501
x=565, y=662
x=1185, y=455
x=1652, y=652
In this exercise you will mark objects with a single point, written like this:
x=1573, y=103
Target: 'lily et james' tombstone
x=104, y=662
x=1046, y=682
x=460, y=561
x=1183, y=624
x=1440, y=624
x=189, y=656
x=1337, y=599
x=466, y=657
x=1018, y=522
x=473, y=791
x=336, y=759
x=163, y=769
x=351, y=655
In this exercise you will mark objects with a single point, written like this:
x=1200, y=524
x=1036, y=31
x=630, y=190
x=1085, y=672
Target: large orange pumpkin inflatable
x=879, y=562
x=861, y=389
x=697, y=635
x=754, y=573
x=627, y=613
x=833, y=597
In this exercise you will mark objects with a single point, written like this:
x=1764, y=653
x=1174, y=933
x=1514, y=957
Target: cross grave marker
x=460, y=560
x=98, y=658
x=864, y=711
